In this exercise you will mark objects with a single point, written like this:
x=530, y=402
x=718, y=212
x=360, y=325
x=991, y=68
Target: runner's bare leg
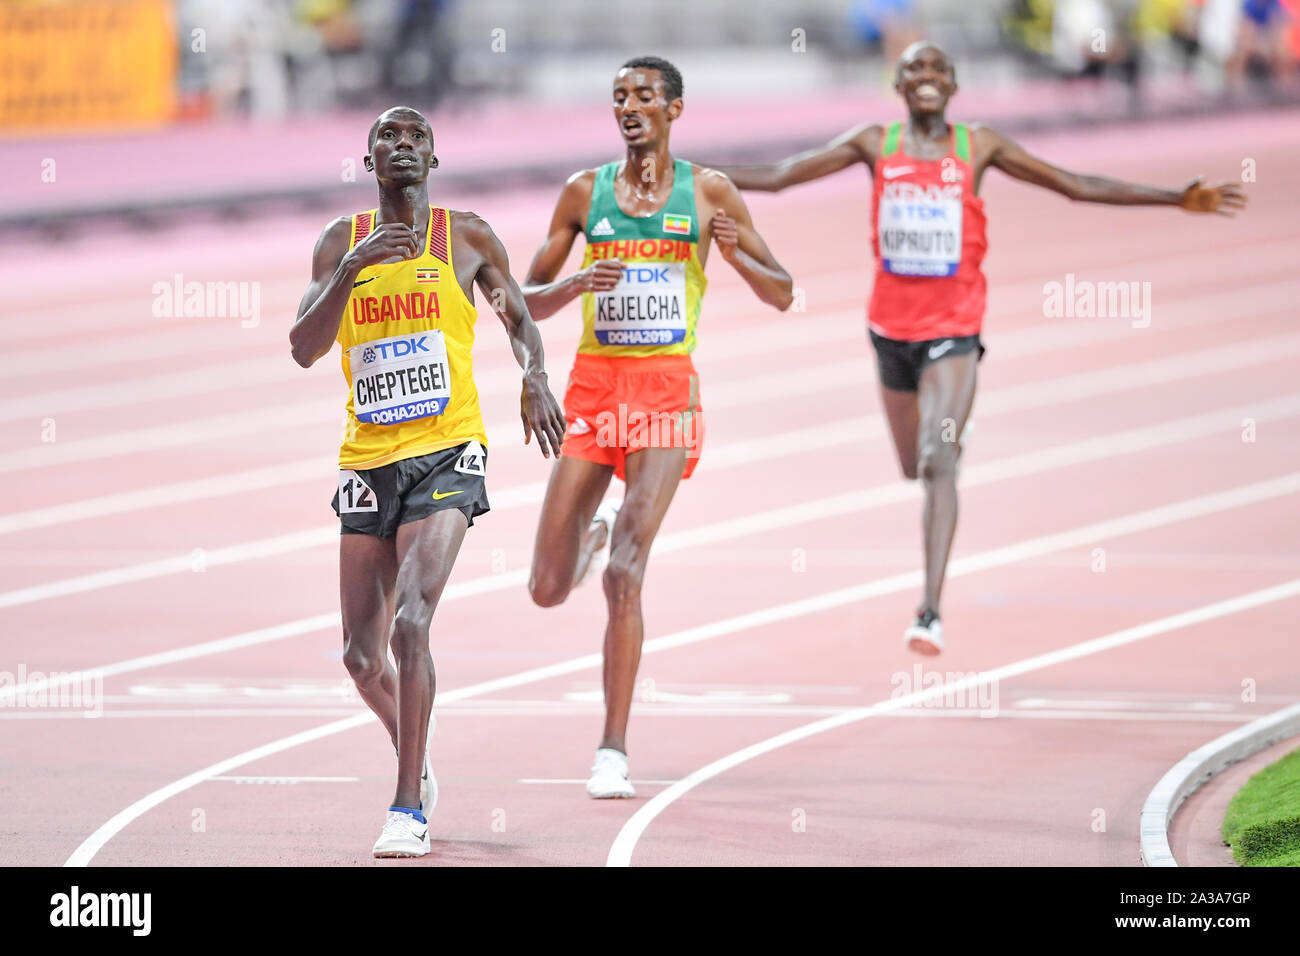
x=367, y=579
x=946, y=393
x=565, y=541
x=426, y=552
x=903, y=414
x=652, y=478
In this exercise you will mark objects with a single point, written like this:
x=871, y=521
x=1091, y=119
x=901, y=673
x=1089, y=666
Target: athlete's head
x=400, y=147
x=925, y=78
x=647, y=97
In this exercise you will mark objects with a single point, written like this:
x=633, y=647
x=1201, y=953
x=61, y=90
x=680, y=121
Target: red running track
x=175, y=541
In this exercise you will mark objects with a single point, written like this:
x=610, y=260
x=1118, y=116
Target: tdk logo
x=368, y=355
x=645, y=275
x=919, y=211
x=396, y=348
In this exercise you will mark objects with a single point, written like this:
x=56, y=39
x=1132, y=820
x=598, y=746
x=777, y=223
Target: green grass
x=1263, y=820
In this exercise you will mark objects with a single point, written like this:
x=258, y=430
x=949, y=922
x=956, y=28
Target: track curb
x=1197, y=768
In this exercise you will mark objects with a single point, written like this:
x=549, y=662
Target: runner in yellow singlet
x=633, y=404
x=394, y=287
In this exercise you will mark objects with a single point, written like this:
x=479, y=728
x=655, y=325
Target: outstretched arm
x=858, y=145
x=740, y=244
x=538, y=408
x=546, y=294
x=1012, y=159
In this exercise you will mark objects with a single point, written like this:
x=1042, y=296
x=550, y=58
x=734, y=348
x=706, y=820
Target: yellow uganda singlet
x=407, y=333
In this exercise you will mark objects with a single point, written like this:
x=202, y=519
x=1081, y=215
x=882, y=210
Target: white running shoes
x=606, y=514
x=925, y=636
x=405, y=833
x=610, y=776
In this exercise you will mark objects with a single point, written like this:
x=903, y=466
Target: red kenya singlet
x=928, y=236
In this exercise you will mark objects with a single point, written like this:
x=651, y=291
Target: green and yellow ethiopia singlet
x=655, y=307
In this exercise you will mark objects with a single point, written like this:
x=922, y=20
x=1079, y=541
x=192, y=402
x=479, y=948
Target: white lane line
x=197, y=560
x=306, y=625
x=192, y=431
x=573, y=780
x=92, y=844
x=186, y=341
x=171, y=713
x=152, y=388
x=1031, y=463
x=1160, y=717
x=828, y=434
x=620, y=853
x=1200, y=706
x=289, y=779
x=157, y=496
x=1101, y=531
x=1034, y=340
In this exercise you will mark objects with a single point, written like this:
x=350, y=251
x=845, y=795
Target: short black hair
x=374, y=128
x=672, y=76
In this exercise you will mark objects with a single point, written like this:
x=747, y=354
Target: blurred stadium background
x=204, y=82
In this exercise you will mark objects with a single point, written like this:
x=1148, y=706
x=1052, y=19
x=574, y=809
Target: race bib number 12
x=473, y=460
x=355, y=496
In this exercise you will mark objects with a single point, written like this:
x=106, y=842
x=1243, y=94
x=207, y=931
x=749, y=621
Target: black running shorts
x=375, y=501
x=901, y=363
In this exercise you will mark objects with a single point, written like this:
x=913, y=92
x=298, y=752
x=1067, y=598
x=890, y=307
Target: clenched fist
x=601, y=276
x=391, y=242
x=726, y=234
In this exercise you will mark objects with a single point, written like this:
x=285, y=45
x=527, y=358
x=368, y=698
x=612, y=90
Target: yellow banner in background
x=86, y=62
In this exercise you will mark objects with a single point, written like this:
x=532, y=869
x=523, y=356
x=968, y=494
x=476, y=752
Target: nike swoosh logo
x=364, y=281
x=894, y=172
x=937, y=350
x=437, y=496
x=421, y=835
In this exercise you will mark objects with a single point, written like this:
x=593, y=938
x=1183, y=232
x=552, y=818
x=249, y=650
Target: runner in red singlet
x=927, y=304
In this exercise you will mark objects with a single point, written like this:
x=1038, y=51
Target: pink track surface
x=185, y=500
